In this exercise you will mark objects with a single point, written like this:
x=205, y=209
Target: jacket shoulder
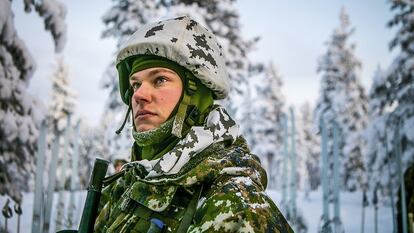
x=237, y=204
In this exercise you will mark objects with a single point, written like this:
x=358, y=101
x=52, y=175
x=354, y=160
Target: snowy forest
x=351, y=140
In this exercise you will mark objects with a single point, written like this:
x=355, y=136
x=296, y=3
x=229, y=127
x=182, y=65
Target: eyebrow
x=155, y=71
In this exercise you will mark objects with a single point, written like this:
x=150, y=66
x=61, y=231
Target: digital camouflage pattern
x=213, y=156
x=219, y=127
x=184, y=41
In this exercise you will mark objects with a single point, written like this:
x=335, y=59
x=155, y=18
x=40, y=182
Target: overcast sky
x=292, y=37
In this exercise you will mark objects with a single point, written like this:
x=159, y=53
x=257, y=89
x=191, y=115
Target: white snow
x=27, y=208
x=54, y=14
x=351, y=211
x=243, y=180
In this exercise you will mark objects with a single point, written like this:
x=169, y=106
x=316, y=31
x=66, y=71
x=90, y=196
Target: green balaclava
x=192, y=109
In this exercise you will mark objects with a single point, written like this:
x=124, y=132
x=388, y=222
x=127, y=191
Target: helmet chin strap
x=128, y=95
x=125, y=120
x=190, y=89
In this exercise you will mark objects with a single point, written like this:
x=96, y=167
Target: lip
x=143, y=113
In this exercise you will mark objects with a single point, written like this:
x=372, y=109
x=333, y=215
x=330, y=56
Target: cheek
x=134, y=107
x=170, y=98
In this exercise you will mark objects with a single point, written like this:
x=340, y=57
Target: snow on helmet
x=184, y=41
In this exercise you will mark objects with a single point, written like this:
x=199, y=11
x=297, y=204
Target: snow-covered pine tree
x=62, y=101
x=61, y=110
x=299, y=150
x=266, y=121
x=342, y=99
x=392, y=95
x=400, y=77
x=62, y=105
x=20, y=112
x=308, y=149
x=91, y=145
x=377, y=138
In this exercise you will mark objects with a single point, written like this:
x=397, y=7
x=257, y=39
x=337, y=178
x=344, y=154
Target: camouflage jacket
x=218, y=160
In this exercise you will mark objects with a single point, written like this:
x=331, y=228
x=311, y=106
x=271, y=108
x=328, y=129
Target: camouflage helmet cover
x=185, y=42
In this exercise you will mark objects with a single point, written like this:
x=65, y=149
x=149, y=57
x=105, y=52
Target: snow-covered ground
x=311, y=209
x=27, y=207
x=351, y=212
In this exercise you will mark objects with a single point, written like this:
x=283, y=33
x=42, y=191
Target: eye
x=160, y=80
x=135, y=85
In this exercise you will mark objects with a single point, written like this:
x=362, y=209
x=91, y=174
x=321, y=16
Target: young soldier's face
x=156, y=93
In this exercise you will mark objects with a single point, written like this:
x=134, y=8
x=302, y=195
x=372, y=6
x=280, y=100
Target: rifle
x=92, y=198
x=94, y=193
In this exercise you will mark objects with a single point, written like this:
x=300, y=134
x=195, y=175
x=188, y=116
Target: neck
x=156, y=142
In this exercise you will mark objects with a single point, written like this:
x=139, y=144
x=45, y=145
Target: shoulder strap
x=189, y=212
x=109, y=179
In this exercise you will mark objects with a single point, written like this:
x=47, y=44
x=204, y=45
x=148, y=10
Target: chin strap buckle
x=193, y=116
x=191, y=85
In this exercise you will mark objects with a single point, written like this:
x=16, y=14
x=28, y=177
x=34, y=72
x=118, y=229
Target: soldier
x=118, y=163
x=191, y=170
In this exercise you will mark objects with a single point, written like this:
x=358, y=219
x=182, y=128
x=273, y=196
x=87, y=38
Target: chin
x=144, y=128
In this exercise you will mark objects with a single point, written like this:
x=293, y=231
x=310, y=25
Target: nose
x=142, y=94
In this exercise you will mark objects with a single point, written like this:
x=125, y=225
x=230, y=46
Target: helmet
x=183, y=41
